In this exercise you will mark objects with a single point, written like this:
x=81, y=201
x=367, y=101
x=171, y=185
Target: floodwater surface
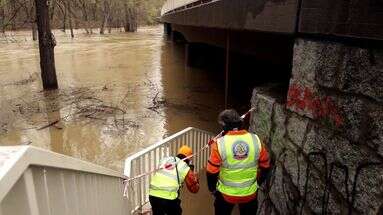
x=118, y=93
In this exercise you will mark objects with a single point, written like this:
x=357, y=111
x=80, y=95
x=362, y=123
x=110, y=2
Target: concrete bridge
x=356, y=19
x=315, y=69
x=268, y=29
x=324, y=130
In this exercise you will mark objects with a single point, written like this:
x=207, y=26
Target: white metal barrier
x=39, y=182
x=148, y=159
x=174, y=4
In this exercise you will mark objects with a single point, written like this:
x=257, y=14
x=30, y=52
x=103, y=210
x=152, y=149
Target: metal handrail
x=148, y=159
x=174, y=4
x=44, y=182
x=171, y=6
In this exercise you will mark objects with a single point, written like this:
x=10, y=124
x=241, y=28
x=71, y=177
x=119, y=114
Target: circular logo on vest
x=240, y=150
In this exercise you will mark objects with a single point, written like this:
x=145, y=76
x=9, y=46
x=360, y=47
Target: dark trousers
x=164, y=206
x=223, y=207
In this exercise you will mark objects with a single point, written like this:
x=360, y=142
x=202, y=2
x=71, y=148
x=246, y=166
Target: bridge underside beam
x=344, y=19
x=351, y=19
x=260, y=15
x=274, y=48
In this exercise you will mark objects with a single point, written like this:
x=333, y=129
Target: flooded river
x=118, y=94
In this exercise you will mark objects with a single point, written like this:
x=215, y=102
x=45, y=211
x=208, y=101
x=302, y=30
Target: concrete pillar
x=167, y=28
x=328, y=133
x=186, y=55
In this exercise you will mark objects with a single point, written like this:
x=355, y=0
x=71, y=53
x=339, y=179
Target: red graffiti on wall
x=302, y=98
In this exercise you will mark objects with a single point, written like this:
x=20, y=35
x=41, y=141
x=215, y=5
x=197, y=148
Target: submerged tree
x=30, y=12
x=2, y=16
x=105, y=11
x=69, y=12
x=130, y=17
x=46, y=45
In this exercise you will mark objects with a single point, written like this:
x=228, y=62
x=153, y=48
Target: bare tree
x=14, y=9
x=69, y=11
x=63, y=11
x=2, y=16
x=105, y=15
x=130, y=17
x=84, y=10
x=33, y=21
x=87, y=14
x=29, y=10
x=46, y=45
x=52, y=7
x=94, y=10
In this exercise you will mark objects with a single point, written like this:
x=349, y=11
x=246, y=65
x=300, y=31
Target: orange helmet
x=185, y=150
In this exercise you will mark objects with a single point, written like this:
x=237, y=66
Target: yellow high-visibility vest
x=239, y=154
x=165, y=183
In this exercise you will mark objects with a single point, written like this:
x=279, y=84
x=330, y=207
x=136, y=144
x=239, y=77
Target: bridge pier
x=328, y=131
x=167, y=29
x=240, y=60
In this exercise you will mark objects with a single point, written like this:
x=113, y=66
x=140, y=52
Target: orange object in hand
x=211, y=141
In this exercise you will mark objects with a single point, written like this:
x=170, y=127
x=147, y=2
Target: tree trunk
x=94, y=11
x=34, y=32
x=71, y=27
x=85, y=16
x=130, y=19
x=2, y=17
x=103, y=23
x=32, y=17
x=126, y=24
x=64, y=19
x=14, y=10
x=67, y=7
x=105, y=16
x=109, y=24
x=52, y=8
x=46, y=45
x=134, y=19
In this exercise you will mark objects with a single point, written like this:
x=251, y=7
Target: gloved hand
x=191, y=167
x=211, y=141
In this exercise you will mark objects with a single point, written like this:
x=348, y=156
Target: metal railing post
x=148, y=159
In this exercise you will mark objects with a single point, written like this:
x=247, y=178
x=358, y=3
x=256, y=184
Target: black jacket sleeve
x=212, y=180
x=265, y=175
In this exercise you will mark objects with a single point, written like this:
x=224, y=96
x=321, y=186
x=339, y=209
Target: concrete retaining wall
x=327, y=137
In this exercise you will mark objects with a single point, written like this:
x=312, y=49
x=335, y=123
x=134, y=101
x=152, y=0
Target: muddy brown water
x=119, y=93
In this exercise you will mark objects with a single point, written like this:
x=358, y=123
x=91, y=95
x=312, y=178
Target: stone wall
x=326, y=138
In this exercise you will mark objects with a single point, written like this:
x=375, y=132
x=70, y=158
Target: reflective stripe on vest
x=169, y=189
x=238, y=184
x=168, y=174
x=165, y=183
x=239, y=154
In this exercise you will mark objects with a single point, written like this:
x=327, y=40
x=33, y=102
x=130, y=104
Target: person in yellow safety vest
x=166, y=183
x=238, y=163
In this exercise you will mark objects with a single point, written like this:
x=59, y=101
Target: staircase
x=34, y=181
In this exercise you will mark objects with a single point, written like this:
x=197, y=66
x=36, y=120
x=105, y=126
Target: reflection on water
x=118, y=93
